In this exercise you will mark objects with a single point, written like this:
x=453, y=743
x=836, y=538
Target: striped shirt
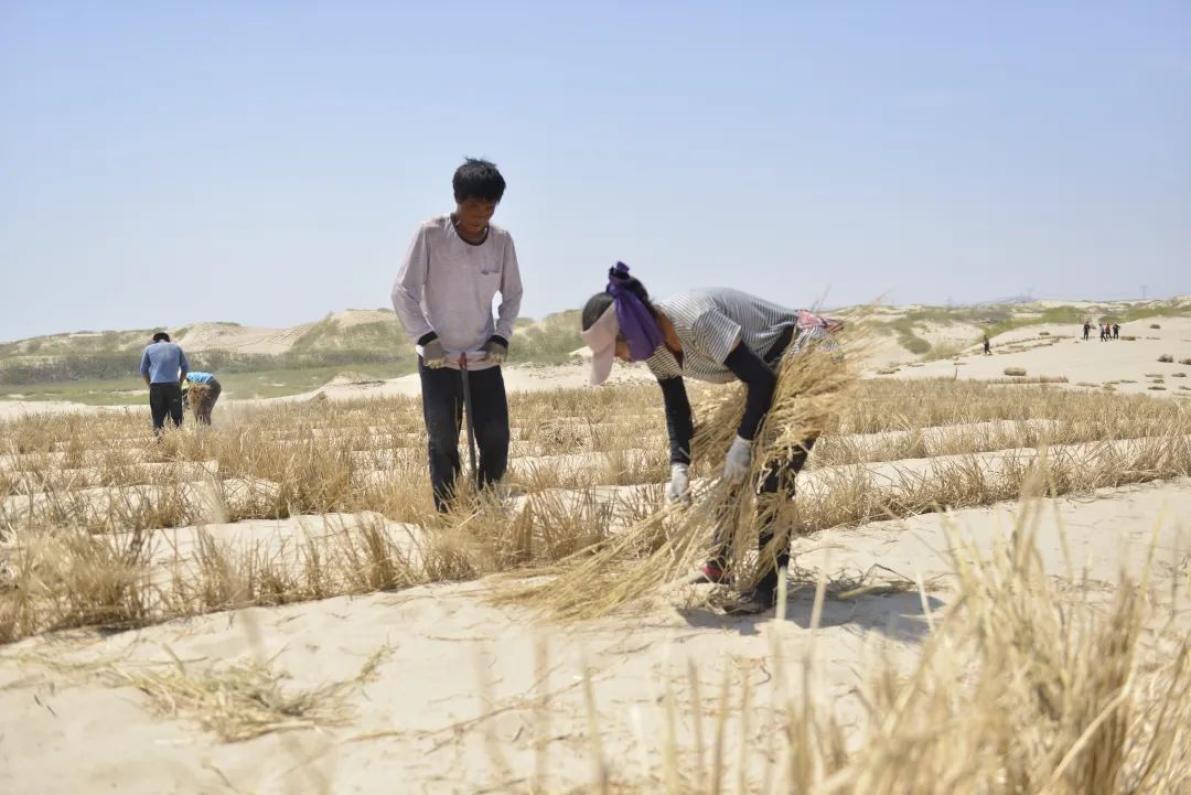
x=710, y=324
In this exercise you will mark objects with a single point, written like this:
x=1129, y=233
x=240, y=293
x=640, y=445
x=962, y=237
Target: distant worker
x=164, y=368
x=203, y=390
x=1116, y=331
x=1087, y=329
x=443, y=298
x=987, y=345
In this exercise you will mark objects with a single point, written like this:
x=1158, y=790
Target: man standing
x=164, y=367
x=443, y=298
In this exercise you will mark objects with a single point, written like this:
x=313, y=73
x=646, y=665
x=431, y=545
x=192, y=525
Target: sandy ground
x=1128, y=366
x=453, y=700
x=15, y=409
x=453, y=705
x=518, y=378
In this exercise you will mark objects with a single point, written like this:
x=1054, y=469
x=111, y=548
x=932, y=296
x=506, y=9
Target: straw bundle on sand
x=665, y=546
x=197, y=395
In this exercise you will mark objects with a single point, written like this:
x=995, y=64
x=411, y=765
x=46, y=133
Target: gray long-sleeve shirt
x=710, y=323
x=446, y=285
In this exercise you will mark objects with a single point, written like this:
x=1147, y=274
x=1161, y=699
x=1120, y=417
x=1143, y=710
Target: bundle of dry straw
x=812, y=385
x=197, y=396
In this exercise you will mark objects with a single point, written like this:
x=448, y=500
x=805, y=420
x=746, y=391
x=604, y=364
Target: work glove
x=497, y=349
x=736, y=463
x=679, y=487
x=434, y=355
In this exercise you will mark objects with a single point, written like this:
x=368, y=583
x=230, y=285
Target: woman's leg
x=780, y=479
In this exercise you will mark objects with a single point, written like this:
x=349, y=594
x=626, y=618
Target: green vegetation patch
x=552, y=341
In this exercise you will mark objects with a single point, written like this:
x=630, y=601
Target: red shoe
x=711, y=573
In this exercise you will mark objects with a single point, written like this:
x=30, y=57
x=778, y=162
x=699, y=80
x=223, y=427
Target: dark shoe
x=711, y=573
x=750, y=603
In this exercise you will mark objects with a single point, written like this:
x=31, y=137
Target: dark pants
x=442, y=406
x=165, y=399
x=780, y=478
x=204, y=400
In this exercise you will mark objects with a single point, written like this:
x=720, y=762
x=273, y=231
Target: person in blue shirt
x=164, y=368
x=202, y=390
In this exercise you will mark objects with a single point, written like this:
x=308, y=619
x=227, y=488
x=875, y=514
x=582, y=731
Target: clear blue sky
x=166, y=162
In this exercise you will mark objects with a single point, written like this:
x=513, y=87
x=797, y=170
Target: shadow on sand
x=898, y=616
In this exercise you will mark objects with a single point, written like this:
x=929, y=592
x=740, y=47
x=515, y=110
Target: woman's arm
x=678, y=419
x=760, y=380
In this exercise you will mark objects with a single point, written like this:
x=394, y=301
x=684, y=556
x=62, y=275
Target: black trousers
x=165, y=399
x=779, y=478
x=442, y=407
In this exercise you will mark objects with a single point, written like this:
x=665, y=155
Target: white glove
x=736, y=463
x=497, y=351
x=679, y=487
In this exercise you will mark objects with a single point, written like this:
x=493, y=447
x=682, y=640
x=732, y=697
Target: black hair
x=598, y=303
x=478, y=179
x=594, y=308
x=161, y=336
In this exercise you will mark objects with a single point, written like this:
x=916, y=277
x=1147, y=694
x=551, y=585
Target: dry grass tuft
x=239, y=702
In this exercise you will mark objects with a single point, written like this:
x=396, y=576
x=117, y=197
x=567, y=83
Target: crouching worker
x=164, y=367
x=443, y=298
x=714, y=335
x=202, y=390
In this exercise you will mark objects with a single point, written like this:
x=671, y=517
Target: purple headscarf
x=637, y=325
